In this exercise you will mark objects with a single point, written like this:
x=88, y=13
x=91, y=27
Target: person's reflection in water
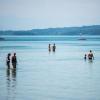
x=14, y=73
x=8, y=80
x=11, y=83
x=90, y=62
x=8, y=74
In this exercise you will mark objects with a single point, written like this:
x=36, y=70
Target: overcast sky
x=31, y=14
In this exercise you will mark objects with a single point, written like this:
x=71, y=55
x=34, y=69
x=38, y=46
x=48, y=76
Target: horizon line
x=49, y=28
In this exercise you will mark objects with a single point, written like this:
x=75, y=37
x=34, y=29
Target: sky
x=34, y=14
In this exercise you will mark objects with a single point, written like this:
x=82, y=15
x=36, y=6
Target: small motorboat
x=81, y=37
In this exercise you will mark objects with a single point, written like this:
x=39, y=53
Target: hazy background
x=29, y=14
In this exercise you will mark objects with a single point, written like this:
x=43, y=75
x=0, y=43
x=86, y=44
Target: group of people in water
x=52, y=48
x=11, y=59
x=89, y=56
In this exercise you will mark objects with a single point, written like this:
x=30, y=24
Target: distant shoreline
x=84, y=30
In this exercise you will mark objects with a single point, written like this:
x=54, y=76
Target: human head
x=14, y=54
x=9, y=54
x=90, y=50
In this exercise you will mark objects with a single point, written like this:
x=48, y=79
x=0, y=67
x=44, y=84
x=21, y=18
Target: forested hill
x=85, y=30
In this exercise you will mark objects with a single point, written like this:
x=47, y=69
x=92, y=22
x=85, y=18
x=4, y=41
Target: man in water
x=90, y=55
x=8, y=60
x=14, y=60
x=54, y=47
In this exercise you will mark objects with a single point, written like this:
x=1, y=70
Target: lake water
x=40, y=75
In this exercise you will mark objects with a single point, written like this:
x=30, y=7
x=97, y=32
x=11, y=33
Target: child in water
x=85, y=56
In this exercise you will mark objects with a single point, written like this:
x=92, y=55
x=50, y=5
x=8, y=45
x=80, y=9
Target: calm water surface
x=40, y=75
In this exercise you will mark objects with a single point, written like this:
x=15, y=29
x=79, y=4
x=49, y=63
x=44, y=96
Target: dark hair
x=14, y=54
x=90, y=50
x=9, y=54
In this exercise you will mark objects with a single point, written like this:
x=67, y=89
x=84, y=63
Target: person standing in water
x=14, y=60
x=90, y=55
x=54, y=47
x=49, y=47
x=8, y=60
x=85, y=56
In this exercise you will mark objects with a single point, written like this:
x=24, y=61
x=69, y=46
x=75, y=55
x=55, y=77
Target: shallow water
x=40, y=75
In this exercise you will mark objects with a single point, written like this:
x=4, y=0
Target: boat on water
x=81, y=37
x=1, y=39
